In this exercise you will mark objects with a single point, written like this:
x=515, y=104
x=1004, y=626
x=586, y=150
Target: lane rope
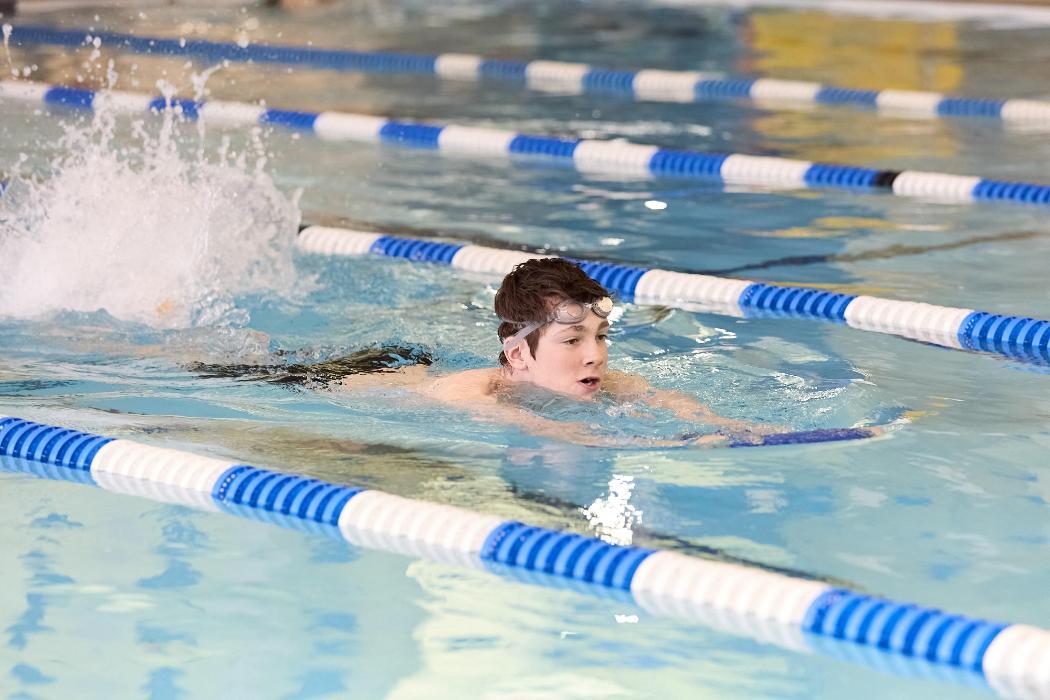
x=650, y=85
x=791, y=612
x=586, y=155
x=1016, y=337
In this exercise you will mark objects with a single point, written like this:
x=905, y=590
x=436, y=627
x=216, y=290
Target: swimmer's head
x=567, y=357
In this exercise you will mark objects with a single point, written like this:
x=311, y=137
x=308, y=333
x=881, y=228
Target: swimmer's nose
x=596, y=355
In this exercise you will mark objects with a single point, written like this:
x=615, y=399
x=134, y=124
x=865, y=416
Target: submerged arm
x=575, y=432
x=633, y=387
x=739, y=433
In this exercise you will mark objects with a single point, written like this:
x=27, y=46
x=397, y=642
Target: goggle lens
x=570, y=311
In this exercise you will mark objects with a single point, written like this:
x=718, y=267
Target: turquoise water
x=107, y=595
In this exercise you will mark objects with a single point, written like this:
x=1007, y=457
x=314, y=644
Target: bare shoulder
x=472, y=385
x=625, y=384
x=468, y=385
x=409, y=377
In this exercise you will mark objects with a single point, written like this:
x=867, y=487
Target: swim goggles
x=568, y=311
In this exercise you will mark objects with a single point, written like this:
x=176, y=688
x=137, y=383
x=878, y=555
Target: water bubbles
x=613, y=517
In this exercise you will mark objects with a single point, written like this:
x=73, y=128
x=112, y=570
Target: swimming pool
x=948, y=511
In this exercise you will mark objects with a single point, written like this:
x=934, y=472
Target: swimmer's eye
x=603, y=337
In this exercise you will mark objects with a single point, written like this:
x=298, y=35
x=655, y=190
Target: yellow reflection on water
x=855, y=52
x=860, y=53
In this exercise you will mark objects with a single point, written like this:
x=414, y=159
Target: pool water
x=134, y=248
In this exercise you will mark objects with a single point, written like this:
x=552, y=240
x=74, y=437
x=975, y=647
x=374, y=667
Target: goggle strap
x=513, y=341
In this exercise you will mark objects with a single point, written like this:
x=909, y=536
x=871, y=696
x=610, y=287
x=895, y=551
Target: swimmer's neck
x=506, y=375
x=504, y=378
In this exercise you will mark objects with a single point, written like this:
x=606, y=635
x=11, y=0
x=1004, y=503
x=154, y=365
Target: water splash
x=7, y=29
x=134, y=226
x=613, y=518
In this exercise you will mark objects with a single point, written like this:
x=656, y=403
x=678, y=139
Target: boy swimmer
x=554, y=322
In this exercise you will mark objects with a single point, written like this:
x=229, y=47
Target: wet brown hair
x=533, y=288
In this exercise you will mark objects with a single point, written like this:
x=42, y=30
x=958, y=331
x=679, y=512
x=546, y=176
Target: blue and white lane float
x=966, y=329
x=791, y=612
x=562, y=77
x=586, y=155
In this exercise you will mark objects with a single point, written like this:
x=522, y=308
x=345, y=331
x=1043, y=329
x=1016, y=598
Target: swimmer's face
x=570, y=358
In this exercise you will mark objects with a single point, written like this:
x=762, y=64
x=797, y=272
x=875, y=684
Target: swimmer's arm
x=741, y=431
x=632, y=387
x=577, y=433
x=537, y=425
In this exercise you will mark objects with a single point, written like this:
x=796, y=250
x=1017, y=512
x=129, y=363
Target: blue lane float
x=49, y=445
x=806, y=437
x=574, y=78
x=586, y=155
x=758, y=603
x=1016, y=337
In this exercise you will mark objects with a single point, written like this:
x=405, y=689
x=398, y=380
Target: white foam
x=613, y=517
x=142, y=230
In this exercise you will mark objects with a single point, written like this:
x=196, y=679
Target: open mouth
x=591, y=382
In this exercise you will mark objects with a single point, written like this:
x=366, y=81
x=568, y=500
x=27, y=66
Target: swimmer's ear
x=516, y=356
